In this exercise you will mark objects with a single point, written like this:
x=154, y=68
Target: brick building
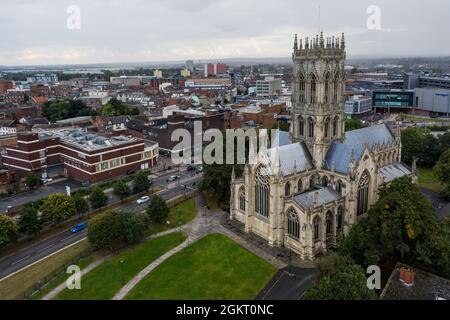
x=5, y=85
x=87, y=157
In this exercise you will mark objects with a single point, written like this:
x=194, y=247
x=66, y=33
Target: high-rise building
x=190, y=65
x=212, y=69
x=158, y=74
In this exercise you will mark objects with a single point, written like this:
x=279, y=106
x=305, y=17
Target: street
x=41, y=249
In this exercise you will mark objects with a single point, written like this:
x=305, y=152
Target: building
x=190, y=65
x=393, y=101
x=268, y=87
x=158, y=74
x=5, y=85
x=43, y=78
x=358, y=106
x=305, y=195
x=412, y=81
x=8, y=127
x=408, y=283
x=126, y=81
x=432, y=101
x=209, y=84
x=185, y=73
x=213, y=69
x=84, y=156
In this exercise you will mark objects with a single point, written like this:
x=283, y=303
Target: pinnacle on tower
x=321, y=40
x=343, y=41
x=295, y=42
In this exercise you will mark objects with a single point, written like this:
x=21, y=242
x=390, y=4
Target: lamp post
x=121, y=272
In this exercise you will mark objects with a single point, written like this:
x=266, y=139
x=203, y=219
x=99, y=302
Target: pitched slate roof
x=293, y=157
x=340, y=153
x=280, y=139
x=393, y=171
x=324, y=196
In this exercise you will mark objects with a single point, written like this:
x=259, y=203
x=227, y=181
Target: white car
x=47, y=180
x=143, y=199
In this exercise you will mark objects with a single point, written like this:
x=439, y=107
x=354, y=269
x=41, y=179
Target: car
x=143, y=199
x=200, y=169
x=190, y=168
x=79, y=227
x=173, y=178
x=47, y=180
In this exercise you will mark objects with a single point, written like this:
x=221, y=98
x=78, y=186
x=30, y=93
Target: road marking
x=20, y=260
x=43, y=249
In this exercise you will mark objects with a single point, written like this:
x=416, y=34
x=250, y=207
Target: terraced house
x=307, y=191
x=83, y=156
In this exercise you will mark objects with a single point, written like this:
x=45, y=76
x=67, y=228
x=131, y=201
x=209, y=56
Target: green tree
x=442, y=170
x=59, y=110
x=98, y=198
x=32, y=180
x=157, y=210
x=340, y=279
x=29, y=222
x=353, y=124
x=57, y=208
x=81, y=204
x=115, y=108
x=121, y=189
x=282, y=126
x=112, y=229
x=402, y=226
x=141, y=182
x=8, y=230
x=413, y=140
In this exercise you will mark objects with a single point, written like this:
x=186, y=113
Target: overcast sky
x=35, y=31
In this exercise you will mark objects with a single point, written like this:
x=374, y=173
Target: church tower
x=317, y=95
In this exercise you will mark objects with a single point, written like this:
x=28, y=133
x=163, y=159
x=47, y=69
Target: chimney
x=407, y=276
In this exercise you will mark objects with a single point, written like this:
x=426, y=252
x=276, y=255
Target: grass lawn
x=16, y=286
x=107, y=279
x=213, y=268
x=427, y=179
x=186, y=210
x=423, y=119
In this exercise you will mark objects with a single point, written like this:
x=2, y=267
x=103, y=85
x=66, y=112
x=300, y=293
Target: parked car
x=190, y=168
x=173, y=178
x=143, y=199
x=47, y=180
x=79, y=227
x=200, y=169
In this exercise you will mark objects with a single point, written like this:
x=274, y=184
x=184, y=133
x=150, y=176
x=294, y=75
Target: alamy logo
x=74, y=18
x=374, y=19
x=374, y=280
x=74, y=281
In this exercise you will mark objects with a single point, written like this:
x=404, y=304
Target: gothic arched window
x=340, y=186
x=310, y=127
x=262, y=192
x=335, y=126
x=301, y=89
x=336, y=88
x=287, y=189
x=329, y=223
x=293, y=224
x=327, y=88
x=316, y=229
x=313, y=89
x=363, y=194
x=301, y=126
x=339, y=217
x=324, y=181
x=299, y=185
x=326, y=128
x=242, y=199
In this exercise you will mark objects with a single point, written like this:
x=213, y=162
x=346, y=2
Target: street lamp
x=121, y=272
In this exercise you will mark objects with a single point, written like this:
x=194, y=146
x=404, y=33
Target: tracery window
x=326, y=128
x=262, y=192
x=335, y=126
x=299, y=185
x=339, y=217
x=313, y=89
x=329, y=223
x=316, y=229
x=301, y=88
x=327, y=88
x=293, y=224
x=311, y=128
x=287, y=189
x=242, y=199
x=363, y=194
x=301, y=126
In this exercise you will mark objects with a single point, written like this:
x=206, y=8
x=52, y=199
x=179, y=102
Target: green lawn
x=427, y=179
x=107, y=279
x=186, y=211
x=214, y=268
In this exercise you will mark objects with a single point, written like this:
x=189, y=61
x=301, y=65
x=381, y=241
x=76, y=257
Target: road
x=441, y=205
x=43, y=248
x=291, y=287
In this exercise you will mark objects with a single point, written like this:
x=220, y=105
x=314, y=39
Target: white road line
x=20, y=260
x=43, y=249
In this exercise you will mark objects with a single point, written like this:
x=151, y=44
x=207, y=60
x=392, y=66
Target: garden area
x=214, y=268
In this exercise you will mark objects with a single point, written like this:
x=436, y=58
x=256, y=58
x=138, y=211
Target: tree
x=8, y=230
x=57, y=208
x=98, y=198
x=402, y=226
x=282, y=126
x=32, y=180
x=413, y=141
x=81, y=205
x=113, y=229
x=340, y=279
x=59, y=110
x=353, y=124
x=121, y=189
x=442, y=170
x=115, y=108
x=141, y=182
x=29, y=222
x=217, y=179
x=157, y=210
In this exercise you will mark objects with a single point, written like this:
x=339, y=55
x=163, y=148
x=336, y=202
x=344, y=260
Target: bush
x=29, y=222
x=98, y=198
x=157, y=210
x=8, y=230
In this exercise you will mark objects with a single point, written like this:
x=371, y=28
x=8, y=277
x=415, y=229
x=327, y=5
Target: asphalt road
x=441, y=205
x=43, y=248
x=293, y=286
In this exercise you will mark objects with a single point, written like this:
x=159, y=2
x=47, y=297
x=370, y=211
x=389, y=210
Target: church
x=308, y=189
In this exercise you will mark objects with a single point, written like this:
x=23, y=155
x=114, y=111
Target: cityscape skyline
x=176, y=31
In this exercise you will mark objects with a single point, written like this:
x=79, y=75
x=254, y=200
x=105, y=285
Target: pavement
x=36, y=251
x=441, y=205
